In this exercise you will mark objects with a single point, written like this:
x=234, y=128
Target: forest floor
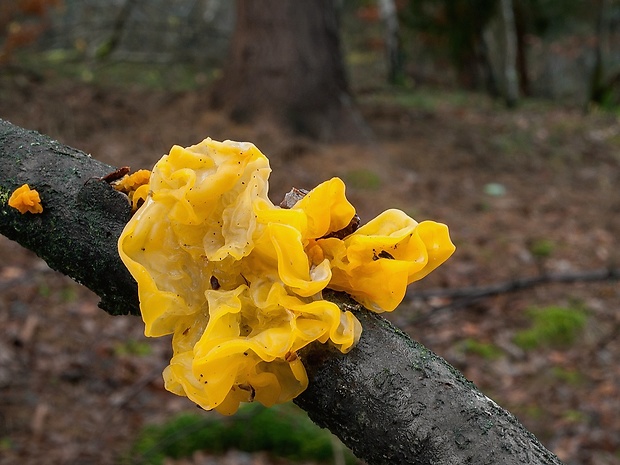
x=524, y=192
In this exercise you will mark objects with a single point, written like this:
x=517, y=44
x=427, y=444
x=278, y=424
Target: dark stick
x=475, y=292
x=465, y=296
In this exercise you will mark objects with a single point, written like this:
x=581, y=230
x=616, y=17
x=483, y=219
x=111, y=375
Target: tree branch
x=82, y=219
x=391, y=400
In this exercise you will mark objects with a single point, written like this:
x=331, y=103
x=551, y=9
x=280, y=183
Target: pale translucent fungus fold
x=238, y=281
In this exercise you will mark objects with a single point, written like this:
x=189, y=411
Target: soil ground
x=524, y=192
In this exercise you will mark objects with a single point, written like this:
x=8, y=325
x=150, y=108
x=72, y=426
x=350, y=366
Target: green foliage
x=104, y=49
x=552, y=326
x=575, y=416
x=534, y=411
x=63, y=64
x=6, y=443
x=572, y=377
x=48, y=289
x=132, y=347
x=425, y=99
x=283, y=431
x=44, y=290
x=485, y=350
x=362, y=179
x=4, y=196
x=542, y=248
x=68, y=294
x=494, y=189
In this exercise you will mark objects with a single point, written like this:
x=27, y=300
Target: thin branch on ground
x=464, y=296
x=519, y=284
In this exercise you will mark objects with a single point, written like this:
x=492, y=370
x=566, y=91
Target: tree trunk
x=522, y=65
x=110, y=45
x=393, y=49
x=598, y=87
x=465, y=23
x=285, y=63
x=511, y=79
x=391, y=400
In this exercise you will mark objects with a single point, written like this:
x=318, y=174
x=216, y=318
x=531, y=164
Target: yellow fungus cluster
x=237, y=280
x=26, y=200
x=136, y=186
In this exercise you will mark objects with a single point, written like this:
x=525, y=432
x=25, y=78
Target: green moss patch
x=283, y=431
x=552, y=326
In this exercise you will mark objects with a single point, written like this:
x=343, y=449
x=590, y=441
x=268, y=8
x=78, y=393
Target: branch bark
x=390, y=399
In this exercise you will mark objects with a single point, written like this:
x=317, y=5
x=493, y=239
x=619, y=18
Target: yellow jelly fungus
x=136, y=186
x=26, y=200
x=238, y=281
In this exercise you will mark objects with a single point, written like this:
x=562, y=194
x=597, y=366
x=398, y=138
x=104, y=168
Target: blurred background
x=496, y=117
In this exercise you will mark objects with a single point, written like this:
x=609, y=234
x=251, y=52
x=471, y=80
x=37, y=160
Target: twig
x=605, y=274
x=465, y=295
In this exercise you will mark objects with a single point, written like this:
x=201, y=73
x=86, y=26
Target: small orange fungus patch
x=136, y=186
x=26, y=200
x=238, y=281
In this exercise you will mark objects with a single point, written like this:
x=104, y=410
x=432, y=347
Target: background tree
x=457, y=26
x=393, y=48
x=604, y=82
x=521, y=15
x=511, y=78
x=285, y=64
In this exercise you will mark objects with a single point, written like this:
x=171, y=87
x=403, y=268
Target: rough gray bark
x=391, y=400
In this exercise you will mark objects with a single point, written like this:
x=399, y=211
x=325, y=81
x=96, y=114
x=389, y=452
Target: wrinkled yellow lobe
x=238, y=281
x=26, y=200
x=377, y=262
x=292, y=262
x=326, y=208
